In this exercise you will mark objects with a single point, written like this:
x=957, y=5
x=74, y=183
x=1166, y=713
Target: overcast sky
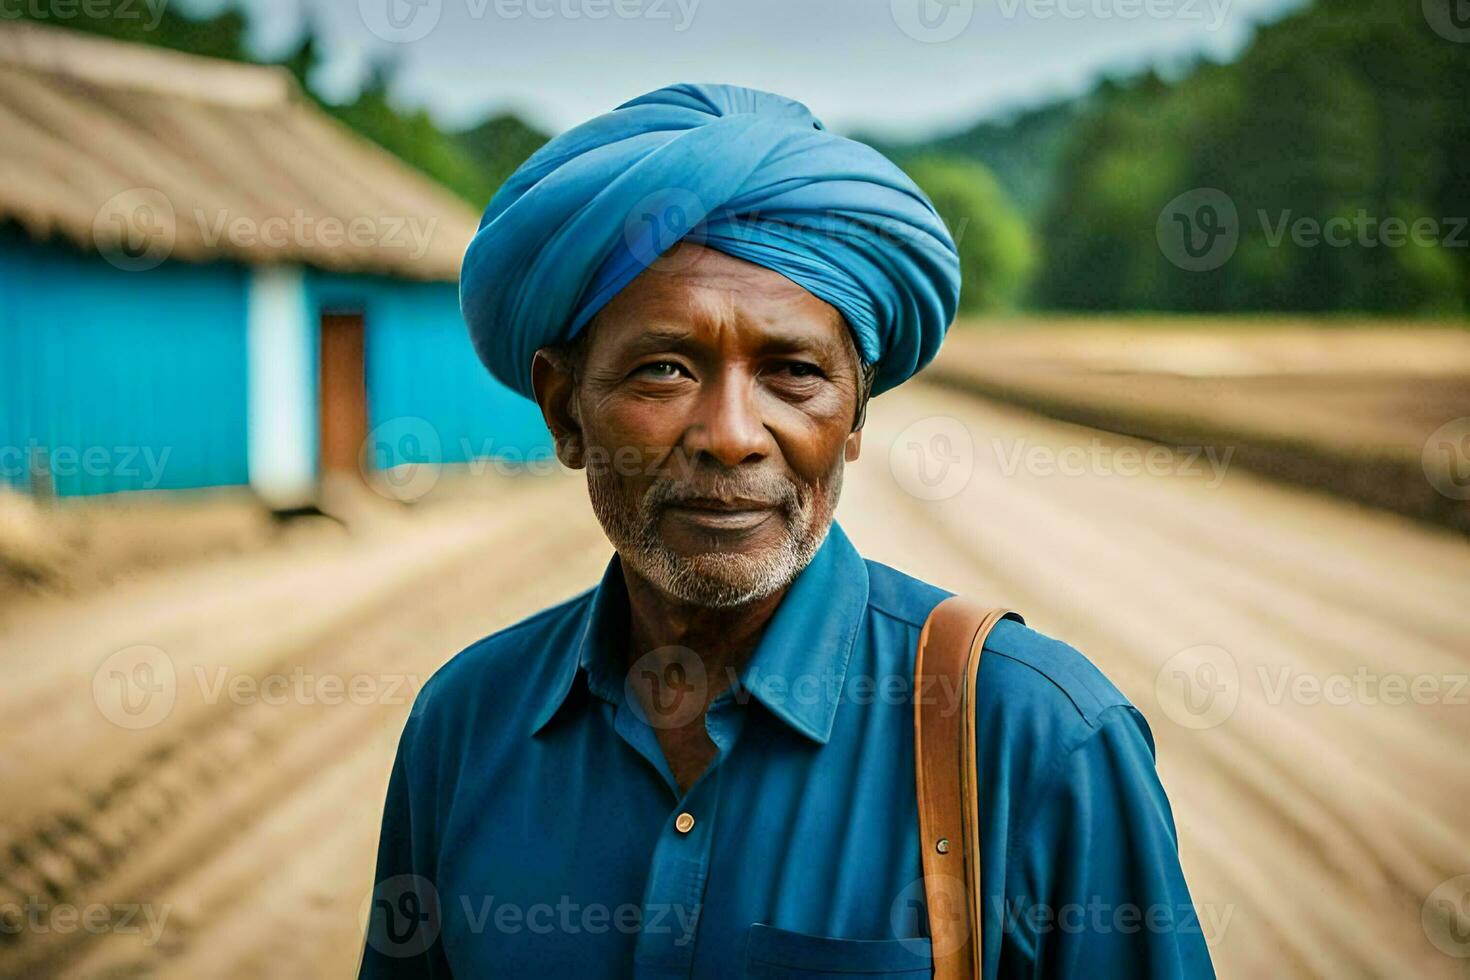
x=896, y=67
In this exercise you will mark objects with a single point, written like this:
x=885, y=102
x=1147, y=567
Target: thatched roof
x=125, y=149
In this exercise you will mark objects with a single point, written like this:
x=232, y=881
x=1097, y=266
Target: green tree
x=996, y=250
x=498, y=146
x=413, y=137
x=1343, y=111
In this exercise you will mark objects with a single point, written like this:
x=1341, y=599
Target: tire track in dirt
x=1312, y=832
x=1323, y=826
x=166, y=811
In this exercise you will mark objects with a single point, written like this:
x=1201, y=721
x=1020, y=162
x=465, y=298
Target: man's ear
x=854, y=447
x=555, y=390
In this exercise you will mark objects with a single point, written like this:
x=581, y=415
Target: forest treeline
x=1340, y=137
x=1325, y=169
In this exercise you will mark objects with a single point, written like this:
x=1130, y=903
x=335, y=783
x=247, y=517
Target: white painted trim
x=282, y=390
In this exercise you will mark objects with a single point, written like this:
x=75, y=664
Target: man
x=697, y=768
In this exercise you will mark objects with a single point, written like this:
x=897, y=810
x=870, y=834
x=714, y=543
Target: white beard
x=713, y=579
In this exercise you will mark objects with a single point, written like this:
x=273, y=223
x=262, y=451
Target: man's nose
x=728, y=423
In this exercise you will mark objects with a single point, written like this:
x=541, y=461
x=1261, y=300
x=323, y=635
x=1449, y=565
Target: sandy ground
x=1365, y=410
x=1371, y=389
x=1265, y=631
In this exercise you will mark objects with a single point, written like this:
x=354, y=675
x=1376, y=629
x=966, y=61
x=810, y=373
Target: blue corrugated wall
x=137, y=380
x=126, y=380
x=425, y=384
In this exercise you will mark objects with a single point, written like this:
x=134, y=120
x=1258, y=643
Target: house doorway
x=343, y=425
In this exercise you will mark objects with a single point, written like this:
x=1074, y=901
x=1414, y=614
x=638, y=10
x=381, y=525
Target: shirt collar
x=798, y=668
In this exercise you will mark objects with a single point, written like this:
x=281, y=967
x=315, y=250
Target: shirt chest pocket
x=778, y=954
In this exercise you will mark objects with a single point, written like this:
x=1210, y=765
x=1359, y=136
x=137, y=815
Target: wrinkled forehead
x=716, y=299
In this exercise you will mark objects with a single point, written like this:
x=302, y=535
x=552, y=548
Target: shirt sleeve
x=404, y=919
x=1099, y=888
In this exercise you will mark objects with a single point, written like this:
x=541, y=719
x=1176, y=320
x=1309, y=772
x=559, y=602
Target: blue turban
x=749, y=173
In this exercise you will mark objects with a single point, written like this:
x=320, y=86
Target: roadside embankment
x=1376, y=413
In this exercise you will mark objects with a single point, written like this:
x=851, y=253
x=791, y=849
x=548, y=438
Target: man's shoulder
x=505, y=663
x=1037, y=669
x=1043, y=709
x=1028, y=679
x=901, y=596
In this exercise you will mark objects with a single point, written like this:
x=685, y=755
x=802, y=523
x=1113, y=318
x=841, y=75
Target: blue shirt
x=533, y=828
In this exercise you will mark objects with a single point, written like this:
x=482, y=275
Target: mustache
x=766, y=487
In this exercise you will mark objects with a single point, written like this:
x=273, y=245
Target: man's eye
x=659, y=369
x=802, y=369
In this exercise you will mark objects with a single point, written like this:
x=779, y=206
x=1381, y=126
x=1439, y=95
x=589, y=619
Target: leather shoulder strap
x=946, y=666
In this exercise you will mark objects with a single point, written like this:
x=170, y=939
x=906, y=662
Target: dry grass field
x=195, y=753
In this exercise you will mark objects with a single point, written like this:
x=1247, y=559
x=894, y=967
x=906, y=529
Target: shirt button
x=684, y=822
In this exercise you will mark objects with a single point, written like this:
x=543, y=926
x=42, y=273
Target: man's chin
x=756, y=536
x=718, y=578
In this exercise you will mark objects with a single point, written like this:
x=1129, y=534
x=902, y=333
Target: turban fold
x=752, y=174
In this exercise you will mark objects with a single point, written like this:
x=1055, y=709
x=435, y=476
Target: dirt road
x=1302, y=661
x=1361, y=410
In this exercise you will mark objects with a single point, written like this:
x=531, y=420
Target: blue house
x=206, y=281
